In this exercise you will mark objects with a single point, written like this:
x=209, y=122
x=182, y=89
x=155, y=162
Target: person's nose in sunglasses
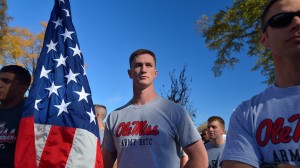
x=280, y=20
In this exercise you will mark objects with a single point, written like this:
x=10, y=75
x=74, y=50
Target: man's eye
x=6, y=81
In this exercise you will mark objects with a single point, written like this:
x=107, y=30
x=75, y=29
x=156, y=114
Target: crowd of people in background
x=152, y=132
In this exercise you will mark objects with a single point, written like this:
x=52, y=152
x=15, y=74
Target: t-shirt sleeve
x=187, y=132
x=240, y=141
x=108, y=141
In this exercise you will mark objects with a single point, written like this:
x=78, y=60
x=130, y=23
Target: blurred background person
x=215, y=147
x=100, y=111
x=205, y=136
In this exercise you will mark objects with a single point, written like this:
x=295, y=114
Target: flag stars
x=71, y=76
x=67, y=12
x=84, y=72
x=51, y=46
x=63, y=1
x=58, y=22
x=35, y=104
x=67, y=34
x=76, y=51
x=82, y=95
x=61, y=60
x=44, y=73
x=92, y=116
x=63, y=107
x=53, y=89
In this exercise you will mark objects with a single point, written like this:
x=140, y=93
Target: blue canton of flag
x=61, y=91
x=59, y=102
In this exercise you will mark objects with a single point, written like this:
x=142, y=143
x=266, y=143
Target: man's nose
x=295, y=23
x=143, y=68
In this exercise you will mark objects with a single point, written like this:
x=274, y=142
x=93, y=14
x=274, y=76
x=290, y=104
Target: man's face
x=215, y=131
x=100, y=113
x=205, y=136
x=10, y=88
x=283, y=41
x=142, y=70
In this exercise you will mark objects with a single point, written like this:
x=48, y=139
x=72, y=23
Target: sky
x=110, y=30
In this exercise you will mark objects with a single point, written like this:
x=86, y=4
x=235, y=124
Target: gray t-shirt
x=214, y=154
x=150, y=135
x=101, y=134
x=266, y=129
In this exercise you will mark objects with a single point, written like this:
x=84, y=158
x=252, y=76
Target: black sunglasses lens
x=281, y=20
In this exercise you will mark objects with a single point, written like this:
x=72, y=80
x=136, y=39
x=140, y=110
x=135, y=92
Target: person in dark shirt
x=14, y=82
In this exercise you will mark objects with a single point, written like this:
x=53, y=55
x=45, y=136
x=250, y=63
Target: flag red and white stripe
x=58, y=127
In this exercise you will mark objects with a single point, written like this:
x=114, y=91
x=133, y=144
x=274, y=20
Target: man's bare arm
x=234, y=164
x=197, y=155
x=109, y=158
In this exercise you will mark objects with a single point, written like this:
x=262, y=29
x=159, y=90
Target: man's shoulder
x=209, y=146
x=17, y=107
x=256, y=99
x=170, y=103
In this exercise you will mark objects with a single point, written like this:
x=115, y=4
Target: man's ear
x=129, y=73
x=23, y=88
x=223, y=130
x=156, y=73
x=264, y=40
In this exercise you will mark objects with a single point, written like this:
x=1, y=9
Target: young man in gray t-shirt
x=214, y=148
x=264, y=130
x=148, y=131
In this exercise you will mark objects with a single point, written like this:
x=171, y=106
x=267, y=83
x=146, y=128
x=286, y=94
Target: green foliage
x=230, y=30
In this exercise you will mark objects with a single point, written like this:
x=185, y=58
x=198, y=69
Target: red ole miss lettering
x=139, y=128
x=276, y=132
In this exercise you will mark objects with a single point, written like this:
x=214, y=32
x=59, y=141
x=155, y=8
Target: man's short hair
x=140, y=52
x=22, y=74
x=217, y=118
x=99, y=105
x=265, y=12
x=102, y=114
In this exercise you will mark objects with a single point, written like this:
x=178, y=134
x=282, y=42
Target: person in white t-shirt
x=264, y=130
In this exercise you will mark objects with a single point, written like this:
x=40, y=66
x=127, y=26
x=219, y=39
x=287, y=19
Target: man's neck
x=142, y=97
x=287, y=72
x=11, y=104
x=101, y=125
x=217, y=142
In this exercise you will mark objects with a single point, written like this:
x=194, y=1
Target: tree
x=180, y=91
x=4, y=20
x=18, y=45
x=230, y=30
x=22, y=47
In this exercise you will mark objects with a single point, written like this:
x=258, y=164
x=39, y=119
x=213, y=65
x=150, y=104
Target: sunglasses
x=280, y=20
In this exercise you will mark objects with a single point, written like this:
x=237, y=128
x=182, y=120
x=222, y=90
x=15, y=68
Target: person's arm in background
x=197, y=155
x=183, y=160
x=234, y=164
x=109, y=158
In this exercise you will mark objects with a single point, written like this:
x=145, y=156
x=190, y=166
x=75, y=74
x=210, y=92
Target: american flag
x=58, y=126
